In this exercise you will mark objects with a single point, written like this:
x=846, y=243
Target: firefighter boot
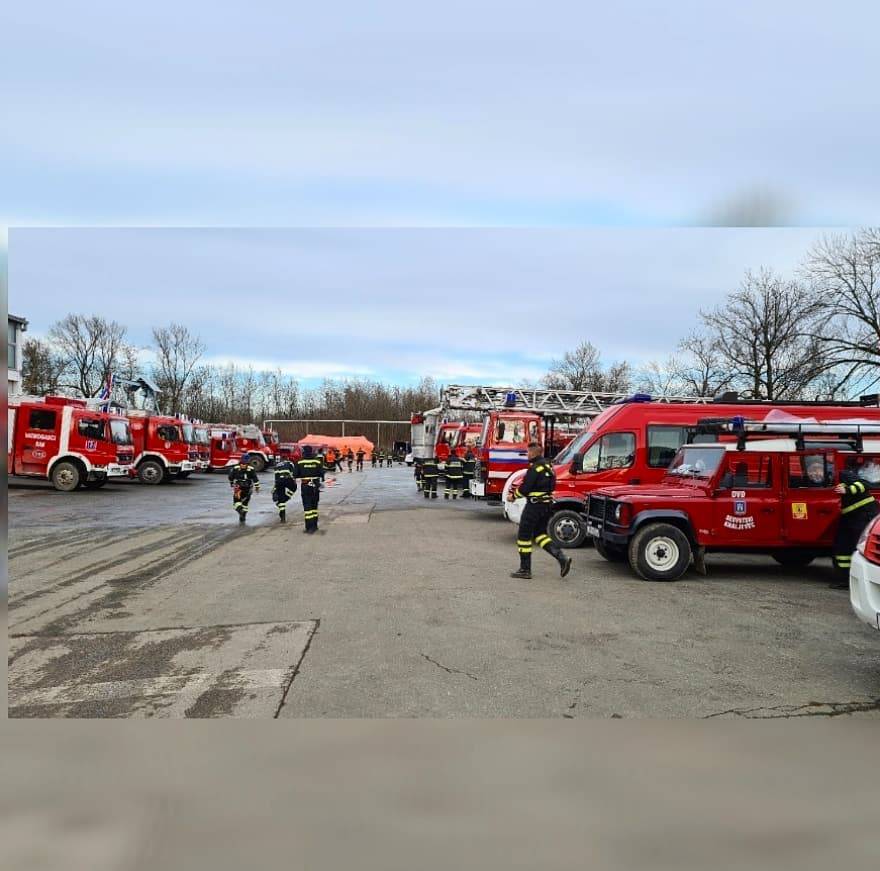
x=563, y=560
x=241, y=515
x=525, y=567
x=282, y=514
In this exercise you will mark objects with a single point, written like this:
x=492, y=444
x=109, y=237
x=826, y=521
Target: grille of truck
x=596, y=508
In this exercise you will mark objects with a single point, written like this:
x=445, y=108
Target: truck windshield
x=120, y=432
x=575, y=446
x=695, y=463
x=202, y=437
x=189, y=433
x=91, y=428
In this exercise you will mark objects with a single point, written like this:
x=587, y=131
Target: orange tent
x=339, y=443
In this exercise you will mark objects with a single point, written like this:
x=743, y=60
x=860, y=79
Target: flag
x=106, y=390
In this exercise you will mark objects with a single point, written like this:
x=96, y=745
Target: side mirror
x=577, y=464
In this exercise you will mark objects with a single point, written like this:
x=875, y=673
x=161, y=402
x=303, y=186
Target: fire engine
x=633, y=441
x=223, y=450
x=273, y=441
x=161, y=451
x=203, y=446
x=755, y=494
x=67, y=442
x=249, y=438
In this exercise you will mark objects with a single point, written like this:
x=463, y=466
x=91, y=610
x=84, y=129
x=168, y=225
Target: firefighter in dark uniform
x=360, y=459
x=454, y=476
x=417, y=472
x=310, y=471
x=468, y=467
x=285, y=486
x=857, y=508
x=390, y=457
x=349, y=459
x=430, y=474
x=373, y=457
x=537, y=487
x=244, y=481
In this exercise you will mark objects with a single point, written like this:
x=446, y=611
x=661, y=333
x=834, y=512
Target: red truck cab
x=504, y=440
x=161, y=451
x=250, y=439
x=203, y=446
x=67, y=442
x=223, y=450
x=754, y=497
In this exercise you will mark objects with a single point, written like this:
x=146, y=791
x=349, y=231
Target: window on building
x=12, y=347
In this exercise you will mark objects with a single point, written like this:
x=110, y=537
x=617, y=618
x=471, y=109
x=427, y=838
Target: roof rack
x=846, y=433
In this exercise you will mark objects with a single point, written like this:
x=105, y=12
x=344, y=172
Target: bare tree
x=582, y=369
x=663, y=379
x=844, y=274
x=42, y=368
x=702, y=368
x=177, y=353
x=89, y=347
x=766, y=332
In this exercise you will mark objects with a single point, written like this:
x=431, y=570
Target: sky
x=506, y=113
x=490, y=306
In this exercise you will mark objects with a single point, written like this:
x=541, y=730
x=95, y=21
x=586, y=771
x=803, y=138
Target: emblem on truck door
x=739, y=523
x=799, y=510
x=739, y=507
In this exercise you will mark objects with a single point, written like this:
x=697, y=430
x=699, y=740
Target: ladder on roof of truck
x=574, y=403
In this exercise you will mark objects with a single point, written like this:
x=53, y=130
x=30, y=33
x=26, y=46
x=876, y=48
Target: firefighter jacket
x=453, y=467
x=539, y=482
x=469, y=464
x=857, y=499
x=429, y=467
x=243, y=476
x=285, y=476
x=310, y=469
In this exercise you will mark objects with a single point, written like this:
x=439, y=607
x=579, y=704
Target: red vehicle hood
x=654, y=491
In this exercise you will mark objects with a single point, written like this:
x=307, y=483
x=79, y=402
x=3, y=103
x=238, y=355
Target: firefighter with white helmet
x=244, y=482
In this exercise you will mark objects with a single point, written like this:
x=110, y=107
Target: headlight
x=618, y=511
x=863, y=539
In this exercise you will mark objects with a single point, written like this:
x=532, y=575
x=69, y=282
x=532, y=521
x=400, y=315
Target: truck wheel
x=258, y=463
x=66, y=476
x=151, y=472
x=96, y=484
x=660, y=552
x=610, y=552
x=795, y=559
x=566, y=528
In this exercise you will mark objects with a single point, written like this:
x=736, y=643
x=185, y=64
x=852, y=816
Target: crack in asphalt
x=449, y=670
x=810, y=709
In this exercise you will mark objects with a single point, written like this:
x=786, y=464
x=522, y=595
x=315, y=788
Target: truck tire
x=610, y=552
x=258, y=463
x=566, y=528
x=660, y=552
x=151, y=472
x=96, y=484
x=67, y=476
x=793, y=559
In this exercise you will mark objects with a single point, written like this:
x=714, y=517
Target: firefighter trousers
x=310, y=495
x=429, y=486
x=533, y=529
x=849, y=531
x=360, y=464
x=281, y=496
x=241, y=497
x=453, y=486
x=466, y=485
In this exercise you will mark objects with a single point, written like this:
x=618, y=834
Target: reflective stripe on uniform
x=856, y=505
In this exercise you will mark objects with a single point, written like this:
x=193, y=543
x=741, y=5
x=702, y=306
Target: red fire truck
x=161, y=451
x=756, y=494
x=633, y=442
x=223, y=450
x=67, y=442
x=249, y=438
x=203, y=446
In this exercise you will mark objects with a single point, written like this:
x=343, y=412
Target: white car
x=864, y=576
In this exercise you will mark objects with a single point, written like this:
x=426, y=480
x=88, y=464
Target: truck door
x=812, y=508
x=747, y=502
x=37, y=440
x=609, y=460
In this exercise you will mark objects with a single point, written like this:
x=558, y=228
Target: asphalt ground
x=137, y=601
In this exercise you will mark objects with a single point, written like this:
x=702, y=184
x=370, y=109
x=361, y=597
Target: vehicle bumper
x=115, y=470
x=185, y=466
x=513, y=510
x=477, y=489
x=621, y=539
x=864, y=590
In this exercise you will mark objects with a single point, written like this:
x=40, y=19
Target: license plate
x=592, y=530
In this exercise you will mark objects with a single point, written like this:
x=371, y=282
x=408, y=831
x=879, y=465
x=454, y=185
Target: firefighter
x=454, y=475
x=537, y=487
x=857, y=508
x=244, y=481
x=349, y=459
x=468, y=467
x=285, y=486
x=310, y=471
x=360, y=459
x=430, y=474
x=417, y=472
x=330, y=460
x=380, y=457
x=390, y=457
x=373, y=458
